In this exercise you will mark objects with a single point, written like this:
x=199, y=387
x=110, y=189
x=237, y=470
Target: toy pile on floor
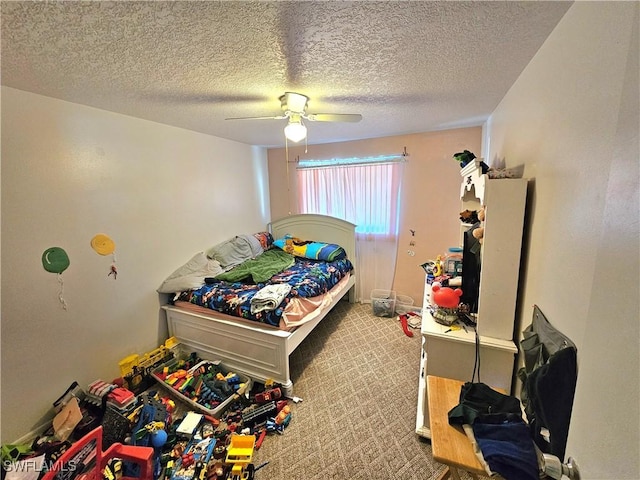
x=202, y=420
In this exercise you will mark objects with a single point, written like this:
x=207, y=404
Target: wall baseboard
x=30, y=436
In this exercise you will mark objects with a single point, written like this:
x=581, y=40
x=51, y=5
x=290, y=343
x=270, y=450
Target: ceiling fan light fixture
x=294, y=108
x=295, y=131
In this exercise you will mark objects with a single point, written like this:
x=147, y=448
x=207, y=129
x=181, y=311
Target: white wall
x=70, y=172
x=572, y=118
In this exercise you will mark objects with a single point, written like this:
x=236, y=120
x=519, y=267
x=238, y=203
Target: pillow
x=236, y=250
x=191, y=275
x=265, y=239
x=329, y=252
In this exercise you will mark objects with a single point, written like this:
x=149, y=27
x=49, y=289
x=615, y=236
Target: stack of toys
x=120, y=398
x=206, y=385
x=188, y=442
x=136, y=370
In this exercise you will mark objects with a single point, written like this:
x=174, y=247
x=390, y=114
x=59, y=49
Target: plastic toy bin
x=198, y=404
x=404, y=304
x=383, y=302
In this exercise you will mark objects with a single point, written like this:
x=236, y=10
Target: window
x=365, y=192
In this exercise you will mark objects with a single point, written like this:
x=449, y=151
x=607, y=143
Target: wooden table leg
x=446, y=473
x=452, y=472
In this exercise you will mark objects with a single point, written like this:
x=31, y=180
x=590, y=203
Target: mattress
x=311, y=282
x=297, y=312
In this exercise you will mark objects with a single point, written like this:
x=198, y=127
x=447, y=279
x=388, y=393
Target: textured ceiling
x=407, y=66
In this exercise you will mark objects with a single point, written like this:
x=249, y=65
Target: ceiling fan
x=294, y=108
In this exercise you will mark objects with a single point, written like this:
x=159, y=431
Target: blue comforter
x=308, y=278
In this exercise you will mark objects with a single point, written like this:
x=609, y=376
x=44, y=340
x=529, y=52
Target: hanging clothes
x=549, y=379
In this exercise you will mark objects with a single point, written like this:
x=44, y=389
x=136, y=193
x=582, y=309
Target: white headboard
x=321, y=228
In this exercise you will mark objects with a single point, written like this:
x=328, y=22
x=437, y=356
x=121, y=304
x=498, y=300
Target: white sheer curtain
x=367, y=195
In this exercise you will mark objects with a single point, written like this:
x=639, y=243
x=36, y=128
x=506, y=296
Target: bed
x=260, y=350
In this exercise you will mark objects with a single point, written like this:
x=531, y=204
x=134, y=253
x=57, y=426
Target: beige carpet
x=358, y=377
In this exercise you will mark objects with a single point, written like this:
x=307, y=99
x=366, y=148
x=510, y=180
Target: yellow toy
x=437, y=266
x=239, y=454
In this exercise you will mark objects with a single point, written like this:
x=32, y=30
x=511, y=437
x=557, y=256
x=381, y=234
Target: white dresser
x=452, y=353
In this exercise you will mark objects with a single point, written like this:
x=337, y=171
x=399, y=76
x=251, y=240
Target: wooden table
x=450, y=445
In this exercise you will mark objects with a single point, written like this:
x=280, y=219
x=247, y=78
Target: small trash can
x=404, y=304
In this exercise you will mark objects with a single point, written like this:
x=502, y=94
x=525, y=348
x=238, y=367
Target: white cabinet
x=504, y=200
x=452, y=353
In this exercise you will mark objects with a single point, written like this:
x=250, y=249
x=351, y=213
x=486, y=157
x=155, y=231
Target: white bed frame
x=260, y=351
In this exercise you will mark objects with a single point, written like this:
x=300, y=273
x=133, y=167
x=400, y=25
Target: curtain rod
x=371, y=160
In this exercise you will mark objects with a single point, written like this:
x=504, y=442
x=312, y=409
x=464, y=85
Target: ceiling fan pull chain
x=286, y=150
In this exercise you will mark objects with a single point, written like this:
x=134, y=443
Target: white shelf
x=504, y=201
x=434, y=329
x=452, y=353
x=431, y=328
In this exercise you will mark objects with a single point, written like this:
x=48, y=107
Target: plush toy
x=479, y=231
x=469, y=216
x=288, y=246
x=292, y=242
x=447, y=300
x=445, y=297
x=465, y=157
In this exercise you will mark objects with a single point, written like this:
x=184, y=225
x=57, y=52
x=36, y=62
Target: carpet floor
x=357, y=375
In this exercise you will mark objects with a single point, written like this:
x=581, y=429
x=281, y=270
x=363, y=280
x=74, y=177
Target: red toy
x=445, y=297
x=404, y=321
x=268, y=395
x=447, y=300
x=86, y=460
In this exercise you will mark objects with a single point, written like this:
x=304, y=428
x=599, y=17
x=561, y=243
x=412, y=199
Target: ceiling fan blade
x=279, y=117
x=334, y=117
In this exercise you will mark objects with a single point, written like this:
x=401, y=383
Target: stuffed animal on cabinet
x=469, y=216
x=478, y=232
x=445, y=297
x=447, y=300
